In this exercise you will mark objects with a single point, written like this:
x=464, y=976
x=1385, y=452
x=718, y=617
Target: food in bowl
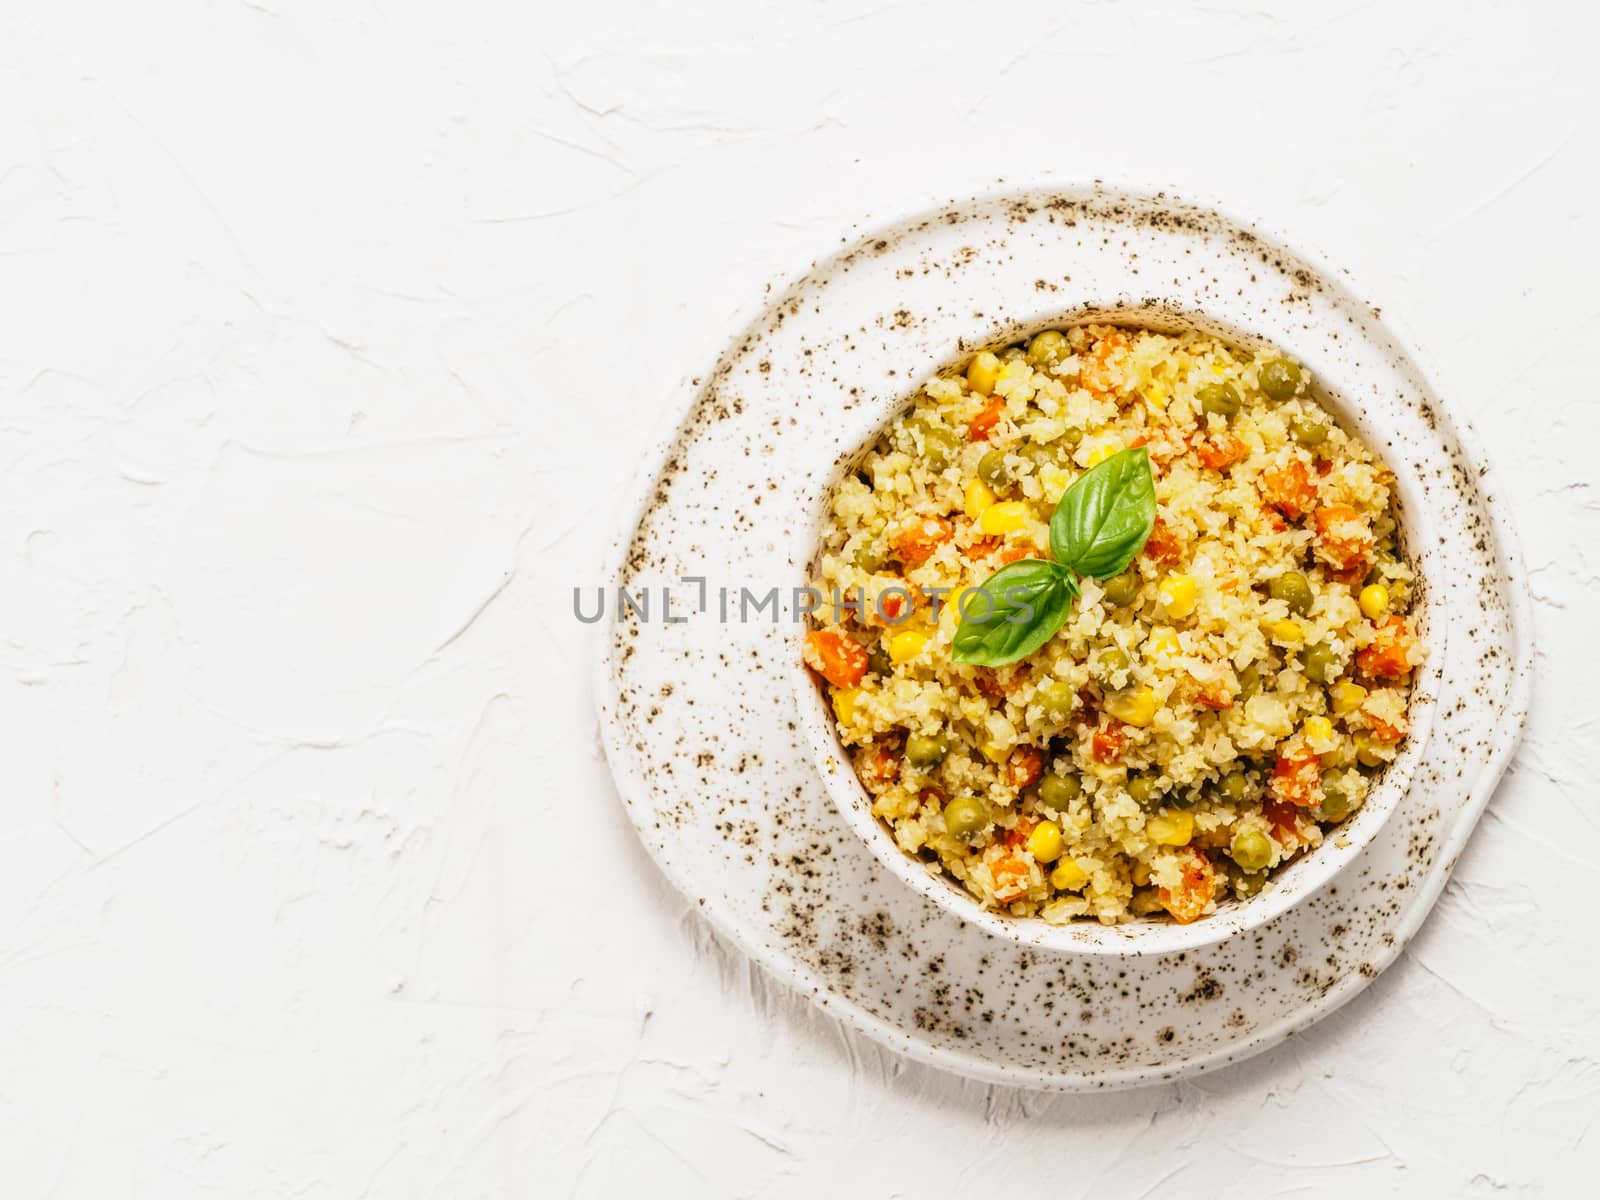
x=1115, y=623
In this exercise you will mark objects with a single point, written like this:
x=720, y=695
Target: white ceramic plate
x=698, y=716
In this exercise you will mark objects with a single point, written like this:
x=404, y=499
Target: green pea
x=1233, y=786
x=1142, y=788
x=1249, y=680
x=1245, y=883
x=1280, y=379
x=1059, y=791
x=1110, y=663
x=966, y=817
x=1059, y=701
x=1049, y=346
x=1072, y=435
x=993, y=471
x=1219, y=398
x=1252, y=851
x=869, y=557
x=1318, y=663
x=1294, y=589
x=1338, y=796
x=940, y=447
x=926, y=750
x=878, y=660
x=1122, y=589
x=1309, y=429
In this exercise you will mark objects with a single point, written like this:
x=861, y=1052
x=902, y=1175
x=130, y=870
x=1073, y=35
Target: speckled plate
x=697, y=712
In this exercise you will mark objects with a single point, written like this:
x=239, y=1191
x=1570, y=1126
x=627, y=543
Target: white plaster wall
x=330, y=335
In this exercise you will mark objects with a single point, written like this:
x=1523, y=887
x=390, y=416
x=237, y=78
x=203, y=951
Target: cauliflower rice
x=1196, y=722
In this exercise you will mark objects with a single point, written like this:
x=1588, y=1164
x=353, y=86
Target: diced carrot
x=988, y=417
x=1096, y=372
x=1188, y=901
x=1222, y=450
x=1297, y=778
x=1022, y=550
x=1285, y=821
x=1163, y=442
x=1344, y=537
x=1088, y=708
x=1010, y=878
x=1388, y=655
x=1217, y=694
x=1108, y=743
x=1017, y=836
x=838, y=659
x=1024, y=766
x=1384, y=731
x=1289, y=489
x=1163, y=545
x=982, y=548
x=889, y=602
x=882, y=766
x=916, y=542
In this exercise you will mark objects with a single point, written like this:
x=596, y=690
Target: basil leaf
x=1103, y=520
x=1028, y=601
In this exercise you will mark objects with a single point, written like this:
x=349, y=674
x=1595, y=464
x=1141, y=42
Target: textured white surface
x=312, y=882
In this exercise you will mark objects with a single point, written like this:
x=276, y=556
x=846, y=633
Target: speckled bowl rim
x=633, y=788
x=1293, y=883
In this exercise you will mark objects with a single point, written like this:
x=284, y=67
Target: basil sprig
x=1100, y=524
x=1104, y=518
x=1014, y=612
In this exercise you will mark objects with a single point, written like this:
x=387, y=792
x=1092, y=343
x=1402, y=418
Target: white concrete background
x=330, y=336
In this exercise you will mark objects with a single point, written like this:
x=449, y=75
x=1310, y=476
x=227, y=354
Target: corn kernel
x=1347, y=696
x=965, y=599
x=844, y=704
x=1374, y=600
x=1319, y=733
x=1177, y=595
x=1163, y=639
x=906, y=645
x=978, y=499
x=1006, y=517
x=1286, y=631
x=1369, y=750
x=983, y=372
x=994, y=751
x=1136, y=706
x=1044, y=843
x=1012, y=368
x=1100, y=453
x=1342, y=755
x=1171, y=829
x=1068, y=876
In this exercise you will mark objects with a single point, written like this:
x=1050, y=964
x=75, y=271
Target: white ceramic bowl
x=1292, y=883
